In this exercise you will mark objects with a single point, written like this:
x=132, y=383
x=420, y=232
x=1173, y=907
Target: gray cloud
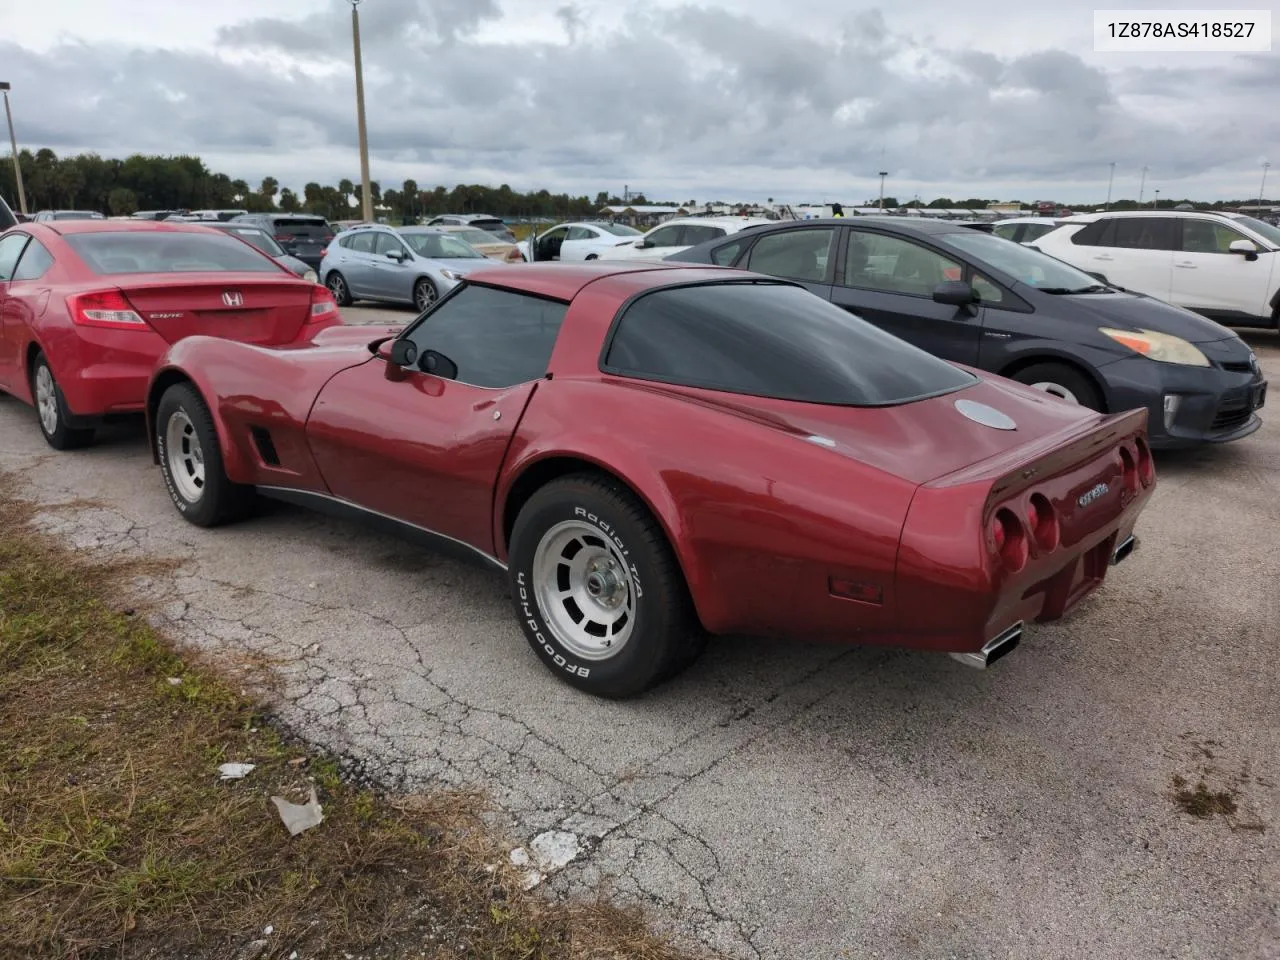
x=684, y=101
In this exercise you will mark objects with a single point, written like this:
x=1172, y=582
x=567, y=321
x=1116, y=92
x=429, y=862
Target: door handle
x=1103, y=256
x=1185, y=264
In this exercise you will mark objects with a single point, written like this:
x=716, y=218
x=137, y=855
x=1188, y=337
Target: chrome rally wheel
x=185, y=456
x=584, y=590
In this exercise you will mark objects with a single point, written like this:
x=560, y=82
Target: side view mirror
x=643, y=244
x=955, y=292
x=1246, y=247
x=399, y=256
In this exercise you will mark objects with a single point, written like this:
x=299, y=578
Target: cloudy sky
x=707, y=99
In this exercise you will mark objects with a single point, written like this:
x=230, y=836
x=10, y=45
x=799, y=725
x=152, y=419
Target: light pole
x=1262, y=190
x=1110, y=181
x=883, y=174
x=1156, y=202
x=366, y=201
x=1142, y=185
x=17, y=167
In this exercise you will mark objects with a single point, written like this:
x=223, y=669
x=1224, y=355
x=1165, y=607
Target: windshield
x=1020, y=262
x=1270, y=233
x=477, y=236
x=441, y=246
x=618, y=229
x=259, y=239
x=137, y=252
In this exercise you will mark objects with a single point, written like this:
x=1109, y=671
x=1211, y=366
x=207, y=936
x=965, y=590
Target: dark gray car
x=266, y=243
x=302, y=235
x=980, y=300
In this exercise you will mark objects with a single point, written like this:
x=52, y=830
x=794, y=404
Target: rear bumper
x=104, y=372
x=1187, y=406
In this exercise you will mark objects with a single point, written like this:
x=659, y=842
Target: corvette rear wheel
x=598, y=590
x=51, y=409
x=191, y=461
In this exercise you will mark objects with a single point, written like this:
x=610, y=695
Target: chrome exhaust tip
x=1003, y=644
x=1130, y=544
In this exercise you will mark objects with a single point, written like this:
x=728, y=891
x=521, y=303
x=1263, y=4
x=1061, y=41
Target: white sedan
x=579, y=241
x=679, y=234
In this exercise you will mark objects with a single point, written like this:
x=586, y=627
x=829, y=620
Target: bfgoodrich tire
x=598, y=590
x=191, y=461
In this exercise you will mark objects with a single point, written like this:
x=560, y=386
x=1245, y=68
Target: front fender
x=171, y=370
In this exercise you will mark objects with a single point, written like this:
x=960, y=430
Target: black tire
x=61, y=436
x=424, y=294
x=1069, y=378
x=218, y=500
x=337, y=285
x=665, y=635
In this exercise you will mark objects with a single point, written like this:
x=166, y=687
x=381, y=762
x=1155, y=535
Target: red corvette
x=87, y=307
x=657, y=452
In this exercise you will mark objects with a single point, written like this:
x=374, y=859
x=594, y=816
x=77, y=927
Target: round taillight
x=1010, y=540
x=1130, y=470
x=1043, y=521
x=1146, y=465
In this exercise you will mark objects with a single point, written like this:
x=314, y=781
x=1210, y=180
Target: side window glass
x=794, y=254
x=386, y=243
x=579, y=233
x=497, y=338
x=987, y=290
x=1008, y=231
x=10, y=249
x=666, y=236
x=1100, y=233
x=34, y=263
x=891, y=265
x=695, y=234
x=726, y=253
x=362, y=243
x=1205, y=236
x=1144, y=233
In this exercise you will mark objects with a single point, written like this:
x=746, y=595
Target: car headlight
x=1164, y=347
x=452, y=275
x=310, y=277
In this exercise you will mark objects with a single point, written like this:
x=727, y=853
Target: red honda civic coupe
x=87, y=307
x=655, y=452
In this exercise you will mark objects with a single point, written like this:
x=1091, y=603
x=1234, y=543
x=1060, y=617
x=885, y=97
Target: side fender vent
x=266, y=449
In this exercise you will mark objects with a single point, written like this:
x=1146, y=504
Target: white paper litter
x=235, y=771
x=299, y=817
x=554, y=849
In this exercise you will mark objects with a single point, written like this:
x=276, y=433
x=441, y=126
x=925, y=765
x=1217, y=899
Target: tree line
x=146, y=182
x=116, y=187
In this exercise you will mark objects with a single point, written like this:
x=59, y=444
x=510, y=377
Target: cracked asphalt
x=782, y=800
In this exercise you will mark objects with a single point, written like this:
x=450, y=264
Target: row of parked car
x=653, y=451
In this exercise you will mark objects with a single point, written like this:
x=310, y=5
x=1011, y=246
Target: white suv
x=1225, y=266
x=677, y=235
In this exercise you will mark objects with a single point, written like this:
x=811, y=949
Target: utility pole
x=1262, y=190
x=17, y=167
x=1156, y=202
x=1110, y=181
x=1142, y=186
x=366, y=200
x=883, y=174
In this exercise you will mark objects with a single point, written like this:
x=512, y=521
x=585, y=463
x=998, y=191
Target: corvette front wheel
x=597, y=588
x=191, y=460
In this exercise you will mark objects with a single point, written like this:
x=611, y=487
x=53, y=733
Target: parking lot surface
x=782, y=800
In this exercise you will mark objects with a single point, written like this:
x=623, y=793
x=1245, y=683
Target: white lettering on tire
x=617, y=542
x=530, y=615
x=177, y=499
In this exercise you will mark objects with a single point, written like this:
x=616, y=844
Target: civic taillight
x=104, y=308
x=323, y=306
x=1010, y=540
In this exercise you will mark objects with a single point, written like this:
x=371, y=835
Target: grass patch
x=117, y=838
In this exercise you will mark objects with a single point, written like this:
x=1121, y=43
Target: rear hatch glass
x=302, y=229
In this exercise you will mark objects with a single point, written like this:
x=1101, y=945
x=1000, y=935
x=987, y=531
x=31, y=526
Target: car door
x=889, y=281
x=657, y=243
x=1136, y=253
x=426, y=449
x=356, y=264
x=804, y=254
x=1209, y=278
x=11, y=248
x=577, y=243
x=549, y=244
x=394, y=270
